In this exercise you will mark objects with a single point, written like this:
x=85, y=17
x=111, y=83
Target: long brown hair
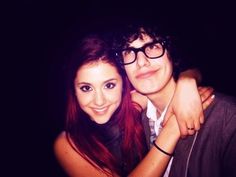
x=79, y=131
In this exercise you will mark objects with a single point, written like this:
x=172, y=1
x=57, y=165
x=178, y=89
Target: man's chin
x=147, y=91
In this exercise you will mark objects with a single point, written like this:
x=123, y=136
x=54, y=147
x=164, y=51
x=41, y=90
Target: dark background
x=39, y=35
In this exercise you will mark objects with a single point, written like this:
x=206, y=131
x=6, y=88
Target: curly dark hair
x=129, y=33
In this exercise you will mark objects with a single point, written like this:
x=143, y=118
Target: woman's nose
x=99, y=99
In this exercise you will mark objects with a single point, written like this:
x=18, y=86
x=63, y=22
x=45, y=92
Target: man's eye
x=154, y=46
x=85, y=88
x=127, y=52
x=110, y=85
x=151, y=46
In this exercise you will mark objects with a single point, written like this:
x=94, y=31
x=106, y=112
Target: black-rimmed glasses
x=151, y=50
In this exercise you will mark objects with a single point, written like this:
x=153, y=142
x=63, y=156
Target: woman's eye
x=110, y=85
x=86, y=88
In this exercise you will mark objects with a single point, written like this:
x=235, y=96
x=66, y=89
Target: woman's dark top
x=111, y=135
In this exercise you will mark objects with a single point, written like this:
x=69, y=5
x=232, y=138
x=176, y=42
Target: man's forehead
x=141, y=40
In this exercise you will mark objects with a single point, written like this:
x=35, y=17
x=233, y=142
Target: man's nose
x=142, y=60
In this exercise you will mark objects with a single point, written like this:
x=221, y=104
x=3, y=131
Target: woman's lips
x=100, y=110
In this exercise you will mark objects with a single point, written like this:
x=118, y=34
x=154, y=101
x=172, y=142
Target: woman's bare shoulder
x=71, y=160
x=62, y=145
x=61, y=139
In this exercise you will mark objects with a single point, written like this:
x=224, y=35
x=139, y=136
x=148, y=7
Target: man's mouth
x=145, y=75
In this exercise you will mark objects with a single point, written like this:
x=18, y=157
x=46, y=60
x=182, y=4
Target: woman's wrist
x=169, y=136
x=161, y=150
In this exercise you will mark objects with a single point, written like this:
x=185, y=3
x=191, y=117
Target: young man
x=151, y=67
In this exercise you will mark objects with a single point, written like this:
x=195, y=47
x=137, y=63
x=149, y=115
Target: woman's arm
x=155, y=162
x=72, y=162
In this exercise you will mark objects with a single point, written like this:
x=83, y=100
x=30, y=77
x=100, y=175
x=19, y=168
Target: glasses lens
x=154, y=50
x=128, y=56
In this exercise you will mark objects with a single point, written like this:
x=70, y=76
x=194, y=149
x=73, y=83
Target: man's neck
x=162, y=98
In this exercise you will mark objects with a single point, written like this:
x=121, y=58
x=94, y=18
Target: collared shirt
x=155, y=127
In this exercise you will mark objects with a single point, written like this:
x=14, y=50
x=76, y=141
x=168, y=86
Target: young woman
x=104, y=135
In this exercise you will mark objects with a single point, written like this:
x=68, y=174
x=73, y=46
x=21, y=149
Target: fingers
x=191, y=132
x=208, y=101
x=186, y=131
x=183, y=129
x=196, y=125
x=201, y=89
x=188, y=127
x=205, y=92
x=191, y=127
x=201, y=118
x=207, y=96
x=191, y=121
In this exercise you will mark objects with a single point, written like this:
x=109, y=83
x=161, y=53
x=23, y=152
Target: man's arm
x=187, y=102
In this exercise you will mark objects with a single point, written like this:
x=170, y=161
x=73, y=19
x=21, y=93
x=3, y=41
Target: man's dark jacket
x=213, y=152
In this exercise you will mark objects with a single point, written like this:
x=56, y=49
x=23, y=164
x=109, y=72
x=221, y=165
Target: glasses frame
x=142, y=49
